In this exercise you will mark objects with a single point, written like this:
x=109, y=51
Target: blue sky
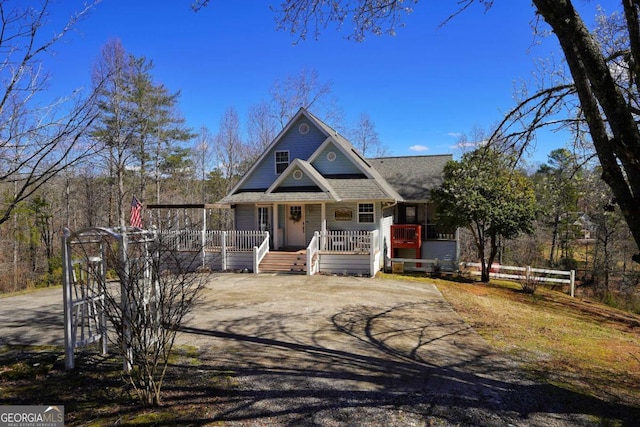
x=422, y=88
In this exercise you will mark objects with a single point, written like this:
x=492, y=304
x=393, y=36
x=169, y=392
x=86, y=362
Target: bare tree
x=601, y=97
x=203, y=154
x=368, y=16
x=365, y=137
x=230, y=152
x=262, y=127
x=38, y=139
x=304, y=90
x=557, y=194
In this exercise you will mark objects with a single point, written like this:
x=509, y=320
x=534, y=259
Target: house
x=414, y=177
x=320, y=200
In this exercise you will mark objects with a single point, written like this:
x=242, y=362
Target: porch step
x=284, y=262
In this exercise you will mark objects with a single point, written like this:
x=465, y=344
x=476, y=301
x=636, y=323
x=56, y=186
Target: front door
x=295, y=226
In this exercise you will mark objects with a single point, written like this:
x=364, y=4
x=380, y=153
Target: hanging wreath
x=295, y=215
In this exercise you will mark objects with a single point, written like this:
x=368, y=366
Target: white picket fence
x=526, y=273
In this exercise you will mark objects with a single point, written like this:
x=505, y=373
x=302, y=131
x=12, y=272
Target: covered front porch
x=328, y=252
x=293, y=225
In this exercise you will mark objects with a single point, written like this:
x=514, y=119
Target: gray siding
x=290, y=181
x=444, y=250
x=352, y=225
x=213, y=261
x=313, y=221
x=245, y=217
x=299, y=147
x=181, y=261
x=341, y=165
x=345, y=264
x=240, y=260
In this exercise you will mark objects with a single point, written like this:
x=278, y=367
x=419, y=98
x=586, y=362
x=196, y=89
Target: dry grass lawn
x=569, y=342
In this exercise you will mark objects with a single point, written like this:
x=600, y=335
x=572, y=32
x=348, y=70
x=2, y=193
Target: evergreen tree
x=138, y=122
x=482, y=193
x=556, y=184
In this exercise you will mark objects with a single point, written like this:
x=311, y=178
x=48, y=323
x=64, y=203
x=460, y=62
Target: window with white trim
x=263, y=218
x=282, y=161
x=366, y=213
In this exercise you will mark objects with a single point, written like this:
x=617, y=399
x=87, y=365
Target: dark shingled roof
x=412, y=176
x=290, y=197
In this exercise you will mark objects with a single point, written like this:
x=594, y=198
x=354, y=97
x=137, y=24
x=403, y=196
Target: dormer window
x=282, y=161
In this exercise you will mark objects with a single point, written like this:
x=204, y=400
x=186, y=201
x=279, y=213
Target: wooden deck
x=406, y=236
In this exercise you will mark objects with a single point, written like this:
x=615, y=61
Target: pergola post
x=69, y=361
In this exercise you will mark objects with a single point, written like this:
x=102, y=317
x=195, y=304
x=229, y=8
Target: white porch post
x=223, y=250
x=276, y=233
x=373, y=253
x=204, y=235
x=67, y=297
x=323, y=225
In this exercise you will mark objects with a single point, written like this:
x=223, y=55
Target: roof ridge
x=410, y=156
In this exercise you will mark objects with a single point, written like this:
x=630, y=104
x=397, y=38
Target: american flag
x=135, y=217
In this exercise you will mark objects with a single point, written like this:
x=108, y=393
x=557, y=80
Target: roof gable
x=327, y=164
x=300, y=173
x=332, y=158
x=299, y=138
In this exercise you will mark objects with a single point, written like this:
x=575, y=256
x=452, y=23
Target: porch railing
x=250, y=247
x=196, y=240
x=259, y=252
x=244, y=240
x=438, y=232
x=347, y=241
x=313, y=252
x=406, y=235
x=182, y=240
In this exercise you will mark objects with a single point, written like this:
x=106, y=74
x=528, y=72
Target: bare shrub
x=148, y=305
x=530, y=284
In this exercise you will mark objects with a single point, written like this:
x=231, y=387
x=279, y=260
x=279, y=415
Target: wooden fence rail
x=527, y=273
x=497, y=271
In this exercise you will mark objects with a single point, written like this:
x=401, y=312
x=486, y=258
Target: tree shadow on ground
x=43, y=325
x=415, y=361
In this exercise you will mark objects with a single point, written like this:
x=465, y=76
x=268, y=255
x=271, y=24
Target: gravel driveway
x=334, y=351
x=345, y=351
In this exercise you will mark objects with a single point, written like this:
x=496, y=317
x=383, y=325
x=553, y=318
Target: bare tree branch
x=36, y=142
